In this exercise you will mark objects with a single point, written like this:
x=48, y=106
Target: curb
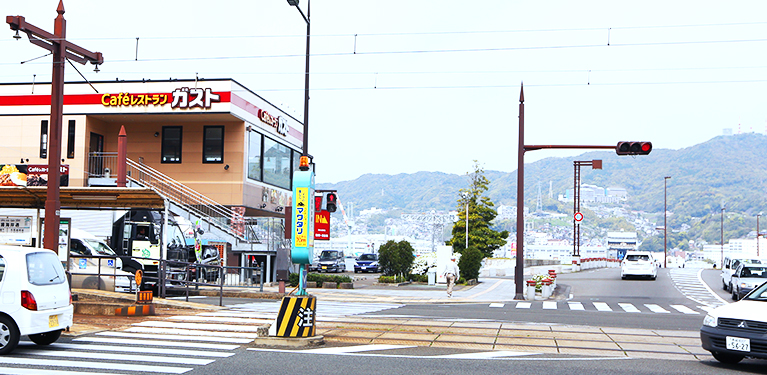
x=139, y=310
x=293, y=342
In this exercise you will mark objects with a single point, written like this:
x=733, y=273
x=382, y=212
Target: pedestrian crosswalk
x=326, y=309
x=600, y=306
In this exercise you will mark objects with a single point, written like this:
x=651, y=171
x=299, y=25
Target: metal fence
x=101, y=273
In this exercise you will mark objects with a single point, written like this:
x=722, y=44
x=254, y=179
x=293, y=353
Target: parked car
x=36, y=299
x=729, y=267
x=367, y=263
x=331, y=261
x=90, y=256
x=747, y=277
x=737, y=330
x=639, y=263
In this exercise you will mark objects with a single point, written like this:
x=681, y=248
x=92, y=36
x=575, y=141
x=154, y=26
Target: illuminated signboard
x=278, y=123
x=183, y=97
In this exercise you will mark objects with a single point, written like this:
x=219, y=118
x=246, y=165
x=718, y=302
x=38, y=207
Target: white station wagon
x=35, y=300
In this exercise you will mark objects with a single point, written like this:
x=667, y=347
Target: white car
x=732, y=332
x=730, y=265
x=34, y=297
x=639, y=263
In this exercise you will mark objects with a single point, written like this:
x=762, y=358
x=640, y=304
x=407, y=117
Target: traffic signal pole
x=623, y=148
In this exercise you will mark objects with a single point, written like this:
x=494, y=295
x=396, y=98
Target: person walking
x=451, y=275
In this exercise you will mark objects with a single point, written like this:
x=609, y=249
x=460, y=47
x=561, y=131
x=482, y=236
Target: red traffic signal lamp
x=331, y=202
x=633, y=148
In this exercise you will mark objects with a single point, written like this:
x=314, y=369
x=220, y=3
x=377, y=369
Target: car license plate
x=324, y=267
x=739, y=344
x=53, y=321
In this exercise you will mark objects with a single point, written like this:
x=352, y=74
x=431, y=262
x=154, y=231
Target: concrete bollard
x=531, y=290
x=546, y=289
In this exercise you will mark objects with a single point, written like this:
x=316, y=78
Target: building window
x=71, y=140
x=254, y=155
x=171, y=144
x=296, y=160
x=276, y=164
x=213, y=144
x=44, y=139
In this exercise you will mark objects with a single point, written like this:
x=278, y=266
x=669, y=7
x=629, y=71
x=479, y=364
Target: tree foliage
x=481, y=214
x=395, y=258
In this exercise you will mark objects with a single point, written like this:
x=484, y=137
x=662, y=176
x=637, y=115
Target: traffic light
x=331, y=202
x=633, y=148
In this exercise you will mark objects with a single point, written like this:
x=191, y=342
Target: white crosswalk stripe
x=523, y=305
x=629, y=308
x=684, y=309
x=656, y=309
x=549, y=305
x=575, y=306
x=602, y=306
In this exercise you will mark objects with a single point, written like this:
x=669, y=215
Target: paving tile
x=531, y=341
x=582, y=336
x=486, y=325
x=588, y=344
x=400, y=342
x=656, y=348
x=575, y=329
x=466, y=338
x=427, y=323
x=355, y=340
x=472, y=331
x=525, y=333
x=523, y=348
x=668, y=333
x=462, y=345
x=628, y=331
x=682, y=357
x=526, y=327
x=592, y=352
x=354, y=333
x=409, y=336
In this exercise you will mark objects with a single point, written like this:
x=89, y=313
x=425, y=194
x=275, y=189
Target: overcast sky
x=401, y=86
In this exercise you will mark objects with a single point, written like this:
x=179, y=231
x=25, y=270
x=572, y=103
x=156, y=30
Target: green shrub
x=395, y=258
x=470, y=262
x=391, y=279
x=461, y=280
x=420, y=278
x=320, y=278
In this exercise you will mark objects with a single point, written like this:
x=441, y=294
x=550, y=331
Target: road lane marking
x=629, y=308
x=151, y=333
x=549, y=305
x=201, y=345
x=656, y=309
x=575, y=306
x=122, y=357
x=684, y=309
x=496, y=305
x=219, y=319
x=96, y=365
x=136, y=349
x=178, y=333
x=484, y=355
x=355, y=349
x=197, y=326
x=602, y=306
x=523, y=305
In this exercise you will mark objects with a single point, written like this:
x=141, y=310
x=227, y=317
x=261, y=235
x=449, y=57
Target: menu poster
x=30, y=175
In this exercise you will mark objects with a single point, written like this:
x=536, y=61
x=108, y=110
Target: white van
x=89, y=256
x=34, y=297
x=729, y=266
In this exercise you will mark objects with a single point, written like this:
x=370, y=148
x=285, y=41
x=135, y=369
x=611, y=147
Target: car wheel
x=734, y=294
x=45, y=338
x=727, y=358
x=9, y=335
x=94, y=283
x=724, y=285
x=729, y=288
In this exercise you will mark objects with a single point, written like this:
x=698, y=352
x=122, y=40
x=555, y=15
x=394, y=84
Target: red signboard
x=322, y=225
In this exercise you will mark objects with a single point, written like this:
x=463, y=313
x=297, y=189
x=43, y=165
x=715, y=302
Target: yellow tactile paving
x=400, y=342
x=588, y=344
x=522, y=348
x=597, y=337
x=524, y=333
x=526, y=327
x=526, y=341
x=592, y=352
x=472, y=331
x=477, y=325
x=462, y=345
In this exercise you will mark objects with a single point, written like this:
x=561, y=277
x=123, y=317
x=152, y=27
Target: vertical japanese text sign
x=303, y=218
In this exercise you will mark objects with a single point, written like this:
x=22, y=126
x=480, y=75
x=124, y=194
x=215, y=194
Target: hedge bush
x=319, y=278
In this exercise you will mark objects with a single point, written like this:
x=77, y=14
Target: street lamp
x=665, y=210
x=466, y=198
x=306, y=74
x=721, y=240
x=757, y=233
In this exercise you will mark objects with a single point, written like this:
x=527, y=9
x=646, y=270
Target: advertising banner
x=322, y=225
x=30, y=175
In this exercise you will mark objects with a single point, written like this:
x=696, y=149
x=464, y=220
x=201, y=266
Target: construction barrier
x=296, y=317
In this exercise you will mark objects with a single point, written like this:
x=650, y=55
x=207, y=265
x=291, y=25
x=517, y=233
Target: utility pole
x=61, y=49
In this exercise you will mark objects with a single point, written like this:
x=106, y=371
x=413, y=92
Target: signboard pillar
x=302, y=249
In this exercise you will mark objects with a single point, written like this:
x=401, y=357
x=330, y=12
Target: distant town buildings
x=597, y=194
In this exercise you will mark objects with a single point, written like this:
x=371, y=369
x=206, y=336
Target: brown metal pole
x=575, y=206
x=757, y=234
x=520, y=267
x=122, y=157
x=52, y=202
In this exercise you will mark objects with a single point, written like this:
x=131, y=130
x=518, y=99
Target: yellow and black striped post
x=297, y=316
